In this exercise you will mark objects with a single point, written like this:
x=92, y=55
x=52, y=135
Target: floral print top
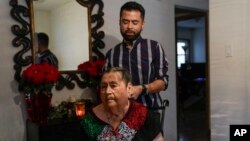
x=135, y=121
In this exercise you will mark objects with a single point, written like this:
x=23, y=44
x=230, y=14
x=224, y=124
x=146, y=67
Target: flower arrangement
x=92, y=72
x=39, y=77
x=37, y=82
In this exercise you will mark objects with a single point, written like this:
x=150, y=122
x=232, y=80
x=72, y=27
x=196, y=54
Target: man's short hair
x=43, y=39
x=132, y=5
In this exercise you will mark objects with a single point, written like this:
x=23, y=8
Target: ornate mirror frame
x=23, y=38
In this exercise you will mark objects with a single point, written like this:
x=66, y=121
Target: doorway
x=192, y=74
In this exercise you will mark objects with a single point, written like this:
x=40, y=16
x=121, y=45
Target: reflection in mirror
x=67, y=25
x=23, y=38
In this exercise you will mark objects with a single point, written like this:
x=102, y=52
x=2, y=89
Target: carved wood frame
x=23, y=38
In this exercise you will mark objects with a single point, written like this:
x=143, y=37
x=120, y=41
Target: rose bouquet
x=39, y=77
x=91, y=72
x=37, y=82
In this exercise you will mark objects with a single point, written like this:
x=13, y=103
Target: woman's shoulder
x=136, y=116
x=91, y=124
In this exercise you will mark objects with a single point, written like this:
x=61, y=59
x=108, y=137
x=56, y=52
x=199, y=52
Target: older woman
x=117, y=117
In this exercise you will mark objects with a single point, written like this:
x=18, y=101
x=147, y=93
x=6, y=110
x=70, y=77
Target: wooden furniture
x=58, y=130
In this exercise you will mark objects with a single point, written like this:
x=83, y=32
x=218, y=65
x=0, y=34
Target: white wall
x=11, y=103
x=67, y=45
x=199, y=46
x=229, y=76
x=159, y=26
x=65, y=26
x=42, y=22
x=197, y=43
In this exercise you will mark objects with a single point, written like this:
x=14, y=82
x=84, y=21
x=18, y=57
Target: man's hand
x=155, y=86
x=136, y=91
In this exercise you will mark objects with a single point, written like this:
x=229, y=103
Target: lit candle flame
x=80, y=109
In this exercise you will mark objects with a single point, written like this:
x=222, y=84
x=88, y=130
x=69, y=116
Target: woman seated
x=117, y=117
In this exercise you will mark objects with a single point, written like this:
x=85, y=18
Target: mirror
x=66, y=22
x=24, y=38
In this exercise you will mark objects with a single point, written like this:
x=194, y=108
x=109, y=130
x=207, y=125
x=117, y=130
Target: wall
x=11, y=104
x=65, y=26
x=159, y=26
x=199, y=48
x=196, y=36
x=229, y=76
x=67, y=43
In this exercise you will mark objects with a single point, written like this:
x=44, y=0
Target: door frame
x=185, y=13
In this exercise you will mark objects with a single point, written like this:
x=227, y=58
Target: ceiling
x=188, y=18
x=192, y=23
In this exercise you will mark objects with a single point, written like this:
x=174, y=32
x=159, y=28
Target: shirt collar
x=133, y=43
x=44, y=52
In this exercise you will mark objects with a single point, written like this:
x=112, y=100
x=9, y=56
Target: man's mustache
x=129, y=31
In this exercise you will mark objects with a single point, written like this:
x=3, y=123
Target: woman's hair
x=132, y=5
x=124, y=73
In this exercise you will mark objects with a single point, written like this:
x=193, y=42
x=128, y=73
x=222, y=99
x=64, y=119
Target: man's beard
x=130, y=38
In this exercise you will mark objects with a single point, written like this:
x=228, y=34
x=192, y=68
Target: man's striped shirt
x=146, y=62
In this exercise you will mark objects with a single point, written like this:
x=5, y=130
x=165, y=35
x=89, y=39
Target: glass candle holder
x=80, y=109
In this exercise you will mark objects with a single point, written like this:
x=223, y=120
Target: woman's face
x=114, y=91
x=131, y=24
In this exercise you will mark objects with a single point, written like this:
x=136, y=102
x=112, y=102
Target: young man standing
x=144, y=58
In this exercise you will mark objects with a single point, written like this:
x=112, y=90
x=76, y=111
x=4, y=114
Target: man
x=44, y=54
x=144, y=58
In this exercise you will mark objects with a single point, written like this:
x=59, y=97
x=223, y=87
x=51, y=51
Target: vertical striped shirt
x=146, y=62
x=47, y=56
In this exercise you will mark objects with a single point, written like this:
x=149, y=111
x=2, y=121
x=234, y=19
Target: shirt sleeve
x=161, y=64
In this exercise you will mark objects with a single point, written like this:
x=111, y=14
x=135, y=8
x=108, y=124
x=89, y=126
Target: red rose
x=93, y=72
x=84, y=66
x=28, y=74
x=100, y=63
x=34, y=74
x=51, y=73
x=93, y=69
x=38, y=78
x=52, y=76
x=40, y=74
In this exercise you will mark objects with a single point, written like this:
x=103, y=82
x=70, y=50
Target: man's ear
x=143, y=24
x=129, y=88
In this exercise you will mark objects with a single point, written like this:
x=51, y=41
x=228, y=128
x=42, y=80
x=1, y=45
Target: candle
x=80, y=109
